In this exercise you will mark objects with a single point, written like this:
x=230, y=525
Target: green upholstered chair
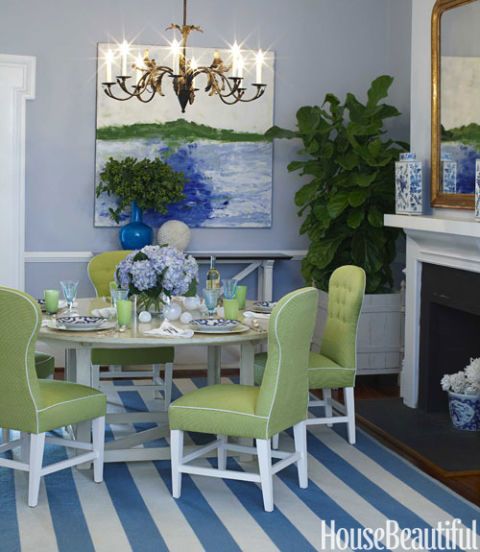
x=101, y=271
x=334, y=366
x=33, y=406
x=254, y=412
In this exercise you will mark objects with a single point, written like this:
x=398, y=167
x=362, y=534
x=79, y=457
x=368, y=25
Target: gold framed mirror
x=455, y=107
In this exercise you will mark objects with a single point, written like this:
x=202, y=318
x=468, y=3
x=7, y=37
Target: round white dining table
x=78, y=347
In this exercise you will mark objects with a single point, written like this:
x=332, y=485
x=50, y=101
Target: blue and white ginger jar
x=449, y=174
x=464, y=411
x=408, y=185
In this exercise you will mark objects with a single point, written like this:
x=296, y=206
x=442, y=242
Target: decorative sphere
x=172, y=311
x=145, y=317
x=186, y=318
x=174, y=233
x=191, y=303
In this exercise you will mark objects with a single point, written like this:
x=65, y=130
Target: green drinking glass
x=124, y=312
x=241, y=296
x=230, y=309
x=51, y=297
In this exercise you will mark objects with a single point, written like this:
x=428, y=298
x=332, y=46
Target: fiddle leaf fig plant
x=152, y=184
x=350, y=168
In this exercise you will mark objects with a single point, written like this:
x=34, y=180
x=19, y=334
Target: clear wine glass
x=211, y=300
x=69, y=288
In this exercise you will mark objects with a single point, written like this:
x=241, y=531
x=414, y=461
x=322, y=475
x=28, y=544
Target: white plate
x=52, y=324
x=237, y=329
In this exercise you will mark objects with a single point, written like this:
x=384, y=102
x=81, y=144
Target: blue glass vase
x=136, y=234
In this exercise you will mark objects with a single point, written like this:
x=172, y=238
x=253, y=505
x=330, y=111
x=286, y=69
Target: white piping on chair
x=280, y=356
x=65, y=402
x=35, y=308
x=219, y=410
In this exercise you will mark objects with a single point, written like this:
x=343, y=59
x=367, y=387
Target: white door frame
x=17, y=84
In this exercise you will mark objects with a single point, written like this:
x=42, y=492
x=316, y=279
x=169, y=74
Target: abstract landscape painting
x=221, y=149
x=460, y=117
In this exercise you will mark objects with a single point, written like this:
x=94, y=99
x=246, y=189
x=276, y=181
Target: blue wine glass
x=230, y=288
x=69, y=288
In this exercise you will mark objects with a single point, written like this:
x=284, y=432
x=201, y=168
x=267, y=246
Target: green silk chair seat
x=219, y=409
x=44, y=365
x=323, y=373
x=101, y=271
x=280, y=402
x=61, y=403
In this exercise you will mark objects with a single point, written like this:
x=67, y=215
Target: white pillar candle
x=258, y=66
x=124, y=48
x=240, y=66
x=235, y=57
x=108, y=66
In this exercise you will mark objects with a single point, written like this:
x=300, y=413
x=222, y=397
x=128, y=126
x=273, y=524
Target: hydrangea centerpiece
x=466, y=382
x=155, y=274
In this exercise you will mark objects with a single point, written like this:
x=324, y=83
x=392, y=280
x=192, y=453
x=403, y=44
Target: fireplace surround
x=443, y=242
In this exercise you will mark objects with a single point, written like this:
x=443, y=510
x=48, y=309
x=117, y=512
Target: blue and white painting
x=460, y=119
x=221, y=149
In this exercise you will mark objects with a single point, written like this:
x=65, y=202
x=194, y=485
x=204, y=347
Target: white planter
x=380, y=332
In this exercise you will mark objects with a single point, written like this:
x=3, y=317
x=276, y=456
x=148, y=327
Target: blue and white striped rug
x=354, y=487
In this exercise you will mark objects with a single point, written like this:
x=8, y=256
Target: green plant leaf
x=337, y=204
x=355, y=218
x=305, y=193
x=379, y=89
x=357, y=197
x=348, y=161
x=375, y=217
x=364, y=180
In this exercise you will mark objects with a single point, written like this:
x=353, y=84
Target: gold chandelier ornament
x=185, y=73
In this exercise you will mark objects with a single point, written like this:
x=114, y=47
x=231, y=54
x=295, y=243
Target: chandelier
x=224, y=81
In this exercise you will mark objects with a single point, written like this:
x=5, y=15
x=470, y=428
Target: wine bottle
x=213, y=276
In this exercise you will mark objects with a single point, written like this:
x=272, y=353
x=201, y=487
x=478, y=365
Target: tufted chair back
x=346, y=290
x=101, y=270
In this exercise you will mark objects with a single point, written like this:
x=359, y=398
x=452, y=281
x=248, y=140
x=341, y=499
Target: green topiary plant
x=351, y=187
x=151, y=184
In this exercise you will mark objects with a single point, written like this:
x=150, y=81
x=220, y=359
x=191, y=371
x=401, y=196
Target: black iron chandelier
x=185, y=73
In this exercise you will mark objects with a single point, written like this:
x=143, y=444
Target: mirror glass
x=460, y=98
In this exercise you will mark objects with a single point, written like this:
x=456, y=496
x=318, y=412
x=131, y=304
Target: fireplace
x=449, y=329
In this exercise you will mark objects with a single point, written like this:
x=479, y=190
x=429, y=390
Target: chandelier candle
x=221, y=80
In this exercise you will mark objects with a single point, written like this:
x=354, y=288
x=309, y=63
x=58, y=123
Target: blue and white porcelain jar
x=408, y=185
x=449, y=174
x=464, y=411
x=477, y=190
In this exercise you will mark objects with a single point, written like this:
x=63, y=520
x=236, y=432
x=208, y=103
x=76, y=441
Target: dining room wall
x=320, y=45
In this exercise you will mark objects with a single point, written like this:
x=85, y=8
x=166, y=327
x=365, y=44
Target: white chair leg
x=25, y=447
x=96, y=376
x=327, y=397
x=37, y=443
x=156, y=380
x=176, y=448
x=5, y=436
x=350, y=411
x=168, y=384
x=222, y=453
x=300, y=435
x=275, y=441
x=98, y=441
x=266, y=478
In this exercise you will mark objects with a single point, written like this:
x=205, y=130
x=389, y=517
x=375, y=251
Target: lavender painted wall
x=320, y=45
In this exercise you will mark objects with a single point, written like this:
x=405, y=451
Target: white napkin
x=259, y=315
x=106, y=312
x=167, y=329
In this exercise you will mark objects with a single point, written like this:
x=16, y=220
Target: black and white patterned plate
x=213, y=324
x=80, y=322
x=263, y=306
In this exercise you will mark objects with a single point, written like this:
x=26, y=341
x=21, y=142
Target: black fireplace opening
x=449, y=329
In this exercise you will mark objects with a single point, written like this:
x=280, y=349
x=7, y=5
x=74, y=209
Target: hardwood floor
x=379, y=387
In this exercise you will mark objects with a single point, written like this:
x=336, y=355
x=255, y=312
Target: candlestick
x=124, y=48
x=235, y=58
x=240, y=66
x=259, y=62
x=138, y=69
x=108, y=66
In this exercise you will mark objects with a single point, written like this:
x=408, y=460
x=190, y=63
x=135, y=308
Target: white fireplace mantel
x=450, y=242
